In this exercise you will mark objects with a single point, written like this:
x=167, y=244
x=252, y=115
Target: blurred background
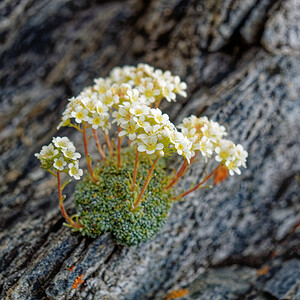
x=241, y=60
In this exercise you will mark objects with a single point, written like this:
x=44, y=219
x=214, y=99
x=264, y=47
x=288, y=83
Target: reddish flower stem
x=146, y=183
x=178, y=175
x=199, y=184
x=61, y=204
x=88, y=161
x=135, y=168
x=108, y=142
x=119, y=148
x=183, y=168
x=101, y=152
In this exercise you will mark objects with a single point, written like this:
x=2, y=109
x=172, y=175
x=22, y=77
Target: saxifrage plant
x=130, y=192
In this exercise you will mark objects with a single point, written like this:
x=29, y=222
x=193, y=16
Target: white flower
x=106, y=125
x=225, y=151
x=90, y=103
x=167, y=90
x=148, y=90
x=86, y=92
x=141, y=121
x=80, y=114
x=133, y=95
x=213, y=131
x=62, y=142
x=101, y=85
x=150, y=145
x=183, y=145
x=159, y=117
x=123, y=115
x=206, y=147
x=59, y=163
x=241, y=155
x=233, y=166
x=96, y=120
x=74, y=171
x=109, y=98
x=145, y=68
x=70, y=153
x=129, y=129
x=179, y=86
x=138, y=109
x=171, y=133
x=48, y=152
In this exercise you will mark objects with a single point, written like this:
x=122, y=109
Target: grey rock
x=286, y=282
x=282, y=33
x=224, y=283
x=50, y=51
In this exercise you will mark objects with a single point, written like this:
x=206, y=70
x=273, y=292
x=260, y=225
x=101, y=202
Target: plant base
x=108, y=205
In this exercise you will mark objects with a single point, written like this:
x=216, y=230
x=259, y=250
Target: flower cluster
x=207, y=137
x=142, y=84
x=151, y=130
x=61, y=155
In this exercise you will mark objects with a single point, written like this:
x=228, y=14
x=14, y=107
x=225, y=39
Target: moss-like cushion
x=107, y=205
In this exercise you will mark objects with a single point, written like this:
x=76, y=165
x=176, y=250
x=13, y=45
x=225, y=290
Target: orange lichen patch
x=177, y=294
x=71, y=269
x=220, y=175
x=77, y=281
x=263, y=271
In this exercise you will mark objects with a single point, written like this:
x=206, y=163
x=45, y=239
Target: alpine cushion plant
x=130, y=193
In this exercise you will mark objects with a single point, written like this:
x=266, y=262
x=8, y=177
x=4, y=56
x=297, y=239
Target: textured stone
x=286, y=282
x=50, y=51
x=282, y=32
x=224, y=283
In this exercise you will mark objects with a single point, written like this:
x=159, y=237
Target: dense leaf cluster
x=107, y=205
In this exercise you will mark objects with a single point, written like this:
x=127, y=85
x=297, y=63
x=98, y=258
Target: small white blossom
x=59, y=163
x=80, y=114
x=141, y=121
x=149, y=90
x=109, y=98
x=70, y=153
x=213, y=131
x=74, y=171
x=224, y=151
x=138, y=109
x=179, y=86
x=150, y=145
x=62, y=142
x=130, y=128
x=158, y=116
x=167, y=90
x=233, y=166
x=206, y=147
x=90, y=103
x=101, y=85
x=241, y=155
x=48, y=152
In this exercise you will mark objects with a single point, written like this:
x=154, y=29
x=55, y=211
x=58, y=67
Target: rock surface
x=236, y=64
